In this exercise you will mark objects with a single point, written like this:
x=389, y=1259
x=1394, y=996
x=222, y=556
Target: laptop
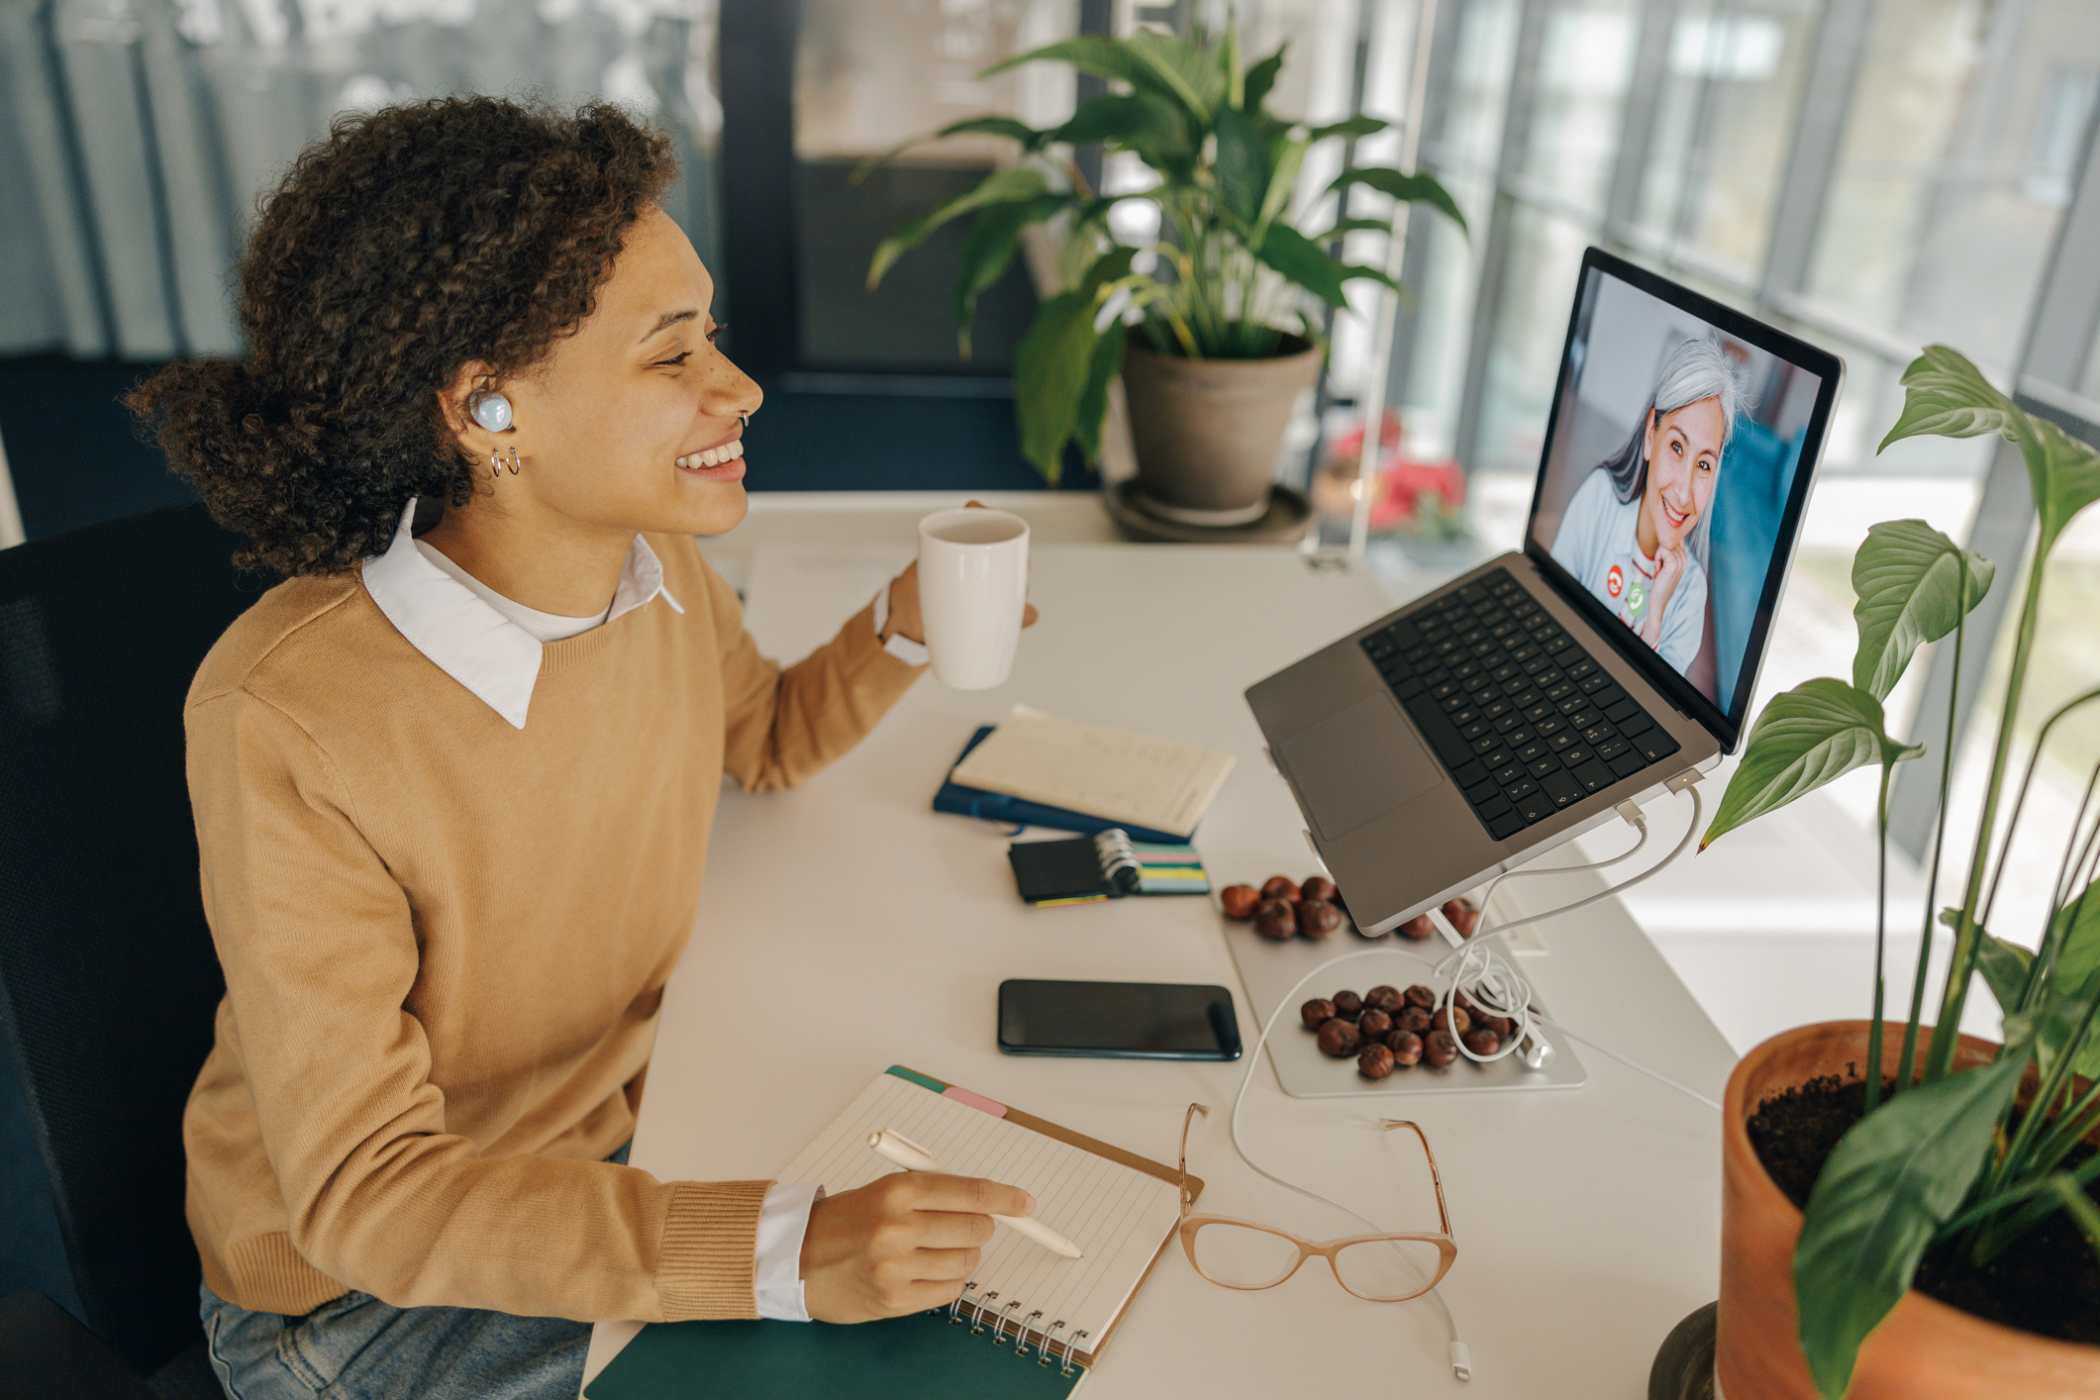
x=1515, y=707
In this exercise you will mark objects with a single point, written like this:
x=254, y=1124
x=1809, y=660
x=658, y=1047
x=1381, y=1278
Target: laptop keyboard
x=1523, y=719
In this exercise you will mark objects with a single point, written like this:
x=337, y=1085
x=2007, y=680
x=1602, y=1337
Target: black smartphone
x=1117, y=1020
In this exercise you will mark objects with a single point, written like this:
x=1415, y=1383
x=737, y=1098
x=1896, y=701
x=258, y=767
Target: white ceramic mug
x=973, y=588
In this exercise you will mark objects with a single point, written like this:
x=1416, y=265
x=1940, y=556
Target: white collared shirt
x=491, y=645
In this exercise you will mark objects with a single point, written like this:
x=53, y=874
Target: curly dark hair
x=411, y=240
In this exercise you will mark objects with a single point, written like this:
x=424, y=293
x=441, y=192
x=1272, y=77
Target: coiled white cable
x=1460, y=1354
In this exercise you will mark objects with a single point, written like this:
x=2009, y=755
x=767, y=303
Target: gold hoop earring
x=496, y=462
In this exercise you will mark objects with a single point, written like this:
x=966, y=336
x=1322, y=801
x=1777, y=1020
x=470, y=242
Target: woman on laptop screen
x=1637, y=531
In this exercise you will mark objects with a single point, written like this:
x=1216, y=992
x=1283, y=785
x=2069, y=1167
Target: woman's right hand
x=906, y=1242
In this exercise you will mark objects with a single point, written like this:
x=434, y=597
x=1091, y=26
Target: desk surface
x=1587, y=1220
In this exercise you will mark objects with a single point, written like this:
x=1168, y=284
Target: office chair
x=108, y=981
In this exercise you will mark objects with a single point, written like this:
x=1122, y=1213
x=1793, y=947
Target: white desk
x=844, y=927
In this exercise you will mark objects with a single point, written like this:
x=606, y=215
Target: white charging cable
x=1461, y=1355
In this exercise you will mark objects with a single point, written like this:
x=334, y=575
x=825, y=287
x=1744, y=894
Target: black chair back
x=108, y=981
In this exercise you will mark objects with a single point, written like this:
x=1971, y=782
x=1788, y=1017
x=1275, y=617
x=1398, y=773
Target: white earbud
x=492, y=411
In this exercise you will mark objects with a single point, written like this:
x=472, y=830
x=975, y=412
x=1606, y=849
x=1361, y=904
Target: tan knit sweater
x=445, y=941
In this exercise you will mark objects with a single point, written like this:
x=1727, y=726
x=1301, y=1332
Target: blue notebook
x=999, y=807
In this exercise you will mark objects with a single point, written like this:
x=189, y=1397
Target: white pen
x=912, y=1157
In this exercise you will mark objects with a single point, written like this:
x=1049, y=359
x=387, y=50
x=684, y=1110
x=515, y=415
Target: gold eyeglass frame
x=1446, y=1246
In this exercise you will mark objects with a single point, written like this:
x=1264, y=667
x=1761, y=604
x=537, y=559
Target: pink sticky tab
x=977, y=1101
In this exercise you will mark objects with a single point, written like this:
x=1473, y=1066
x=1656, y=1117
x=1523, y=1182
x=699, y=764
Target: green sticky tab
x=921, y=1080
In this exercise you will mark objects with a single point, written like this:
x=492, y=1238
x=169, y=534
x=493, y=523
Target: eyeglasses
x=1240, y=1254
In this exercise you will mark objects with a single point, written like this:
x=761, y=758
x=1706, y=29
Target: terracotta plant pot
x=1206, y=432
x=1923, y=1347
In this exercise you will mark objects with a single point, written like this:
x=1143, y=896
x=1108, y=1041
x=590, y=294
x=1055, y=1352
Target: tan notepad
x=1119, y=774
x=1119, y=1208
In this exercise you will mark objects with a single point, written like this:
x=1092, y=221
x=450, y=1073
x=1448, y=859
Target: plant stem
x=1906, y=1066
x=1967, y=936
x=1881, y=911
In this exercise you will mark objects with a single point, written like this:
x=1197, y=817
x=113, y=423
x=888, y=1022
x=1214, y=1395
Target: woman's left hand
x=905, y=618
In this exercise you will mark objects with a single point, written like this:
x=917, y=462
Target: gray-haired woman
x=1636, y=532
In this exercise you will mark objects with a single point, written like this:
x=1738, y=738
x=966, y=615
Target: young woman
x=1636, y=531
x=453, y=787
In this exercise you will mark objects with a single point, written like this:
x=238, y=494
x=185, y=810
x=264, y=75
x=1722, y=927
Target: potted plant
x=1950, y=1241
x=1195, y=323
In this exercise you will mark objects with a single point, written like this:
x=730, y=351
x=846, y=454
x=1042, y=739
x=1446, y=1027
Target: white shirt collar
x=468, y=638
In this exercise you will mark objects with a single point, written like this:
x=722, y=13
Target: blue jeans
x=358, y=1348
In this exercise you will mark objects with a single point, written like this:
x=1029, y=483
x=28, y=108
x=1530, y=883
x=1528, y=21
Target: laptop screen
x=1667, y=491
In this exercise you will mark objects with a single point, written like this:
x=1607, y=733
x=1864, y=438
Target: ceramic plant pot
x=1923, y=1347
x=1206, y=432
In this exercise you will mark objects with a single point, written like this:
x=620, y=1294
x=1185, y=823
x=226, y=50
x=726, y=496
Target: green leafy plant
x=1230, y=262
x=1945, y=1158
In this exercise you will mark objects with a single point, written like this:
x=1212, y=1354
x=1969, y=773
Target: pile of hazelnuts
x=1388, y=1029
x=1283, y=909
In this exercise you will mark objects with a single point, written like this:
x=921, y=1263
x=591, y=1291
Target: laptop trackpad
x=1358, y=764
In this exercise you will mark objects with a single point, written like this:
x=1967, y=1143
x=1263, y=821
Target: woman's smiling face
x=1684, y=461
x=638, y=387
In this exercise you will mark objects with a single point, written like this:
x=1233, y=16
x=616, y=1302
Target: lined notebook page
x=1117, y=1215
x=1119, y=774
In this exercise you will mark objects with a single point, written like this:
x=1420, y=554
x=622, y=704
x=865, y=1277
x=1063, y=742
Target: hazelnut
x=1239, y=901
x=1374, y=1024
x=1376, y=1062
x=1438, y=1048
x=1317, y=887
x=1406, y=1047
x=1503, y=1026
x=1347, y=1004
x=1455, y=1020
x=1280, y=887
x=1317, y=918
x=1339, y=1038
x=1464, y=915
x=1317, y=1012
x=1275, y=921
x=1419, y=995
x=1414, y=1018
x=1463, y=1002
x=1418, y=928
x=1482, y=1041
x=1384, y=998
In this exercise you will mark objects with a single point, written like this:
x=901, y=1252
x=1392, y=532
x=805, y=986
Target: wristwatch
x=911, y=653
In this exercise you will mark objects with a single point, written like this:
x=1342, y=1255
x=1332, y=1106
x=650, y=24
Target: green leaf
x=994, y=236
x=1134, y=121
x=1285, y=157
x=2071, y=979
x=1302, y=261
x=1050, y=373
x=1818, y=731
x=1907, y=575
x=1947, y=396
x=1342, y=226
x=1154, y=63
x=2065, y=474
x=2004, y=965
x=1353, y=271
x=1229, y=64
x=1102, y=369
x=1261, y=78
x=1005, y=186
x=1111, y=265
x=1352, y=127
x=1409, y=189
x=1242, y=163
x=1893, y=1179
x=1028, y=136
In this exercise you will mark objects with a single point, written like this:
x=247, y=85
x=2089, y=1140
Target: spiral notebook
x=1029, y=1323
